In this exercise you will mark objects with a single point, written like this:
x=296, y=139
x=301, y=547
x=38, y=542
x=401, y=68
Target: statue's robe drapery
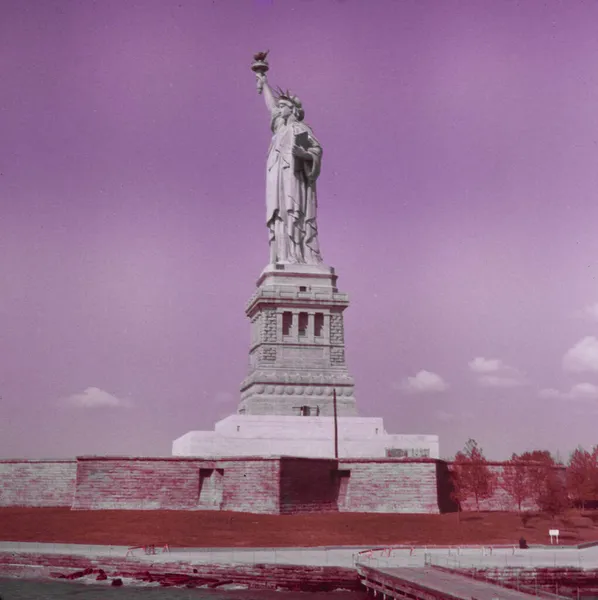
x=291, y=200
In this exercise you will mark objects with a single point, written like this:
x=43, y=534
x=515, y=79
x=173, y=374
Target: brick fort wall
x=389, y=485
x=105, y=483
x=37, y=482
x=308, y=485
x=284, y=485
x=252, y=485
x=124, y=483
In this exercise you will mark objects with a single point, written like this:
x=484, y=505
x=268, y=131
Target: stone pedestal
x=297, y=349
x=296, y=361
x=311, y=437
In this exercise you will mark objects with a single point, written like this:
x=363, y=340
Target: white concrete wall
x=282, y=426
x=271, y=435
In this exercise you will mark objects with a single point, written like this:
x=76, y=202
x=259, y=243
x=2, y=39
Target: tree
x=515, y=480
x=540, y=464
x=582, y=475
x=547, y=482
x=553, y=499
x=473, y=477
x=458, y=493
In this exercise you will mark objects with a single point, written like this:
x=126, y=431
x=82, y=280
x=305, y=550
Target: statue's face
x=285, y=109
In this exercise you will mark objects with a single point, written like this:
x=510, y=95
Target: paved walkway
x=341, y=556
x=449, y=583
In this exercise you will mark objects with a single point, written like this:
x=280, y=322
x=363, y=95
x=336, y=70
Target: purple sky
x=458, y=203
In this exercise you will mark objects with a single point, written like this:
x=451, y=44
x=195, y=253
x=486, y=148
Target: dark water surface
x=26, y=589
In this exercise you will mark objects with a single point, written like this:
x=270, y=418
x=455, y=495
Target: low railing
x=149, y=549
x=324, y=556
x=469, y=557
x=506, y=565
x=524, y=580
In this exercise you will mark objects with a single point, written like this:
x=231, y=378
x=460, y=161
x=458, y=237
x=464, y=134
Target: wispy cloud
x=550, y=393
x=588, y=312
x=503, y=381
x=485, y=365
x=492, y=372
x=583, y=356
x=443, y=415
x=424, y=382
x=580, y=391
x=458, y=415
x=94, y=397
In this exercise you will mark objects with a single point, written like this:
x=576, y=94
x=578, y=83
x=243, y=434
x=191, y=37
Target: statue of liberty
x=292, y=168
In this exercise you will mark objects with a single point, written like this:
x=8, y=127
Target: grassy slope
x=225, y=529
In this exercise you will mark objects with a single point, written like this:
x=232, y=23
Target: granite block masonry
x=297, y=347
x=268, y=485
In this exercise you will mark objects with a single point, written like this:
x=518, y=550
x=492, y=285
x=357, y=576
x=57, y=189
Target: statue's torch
x=260, y=66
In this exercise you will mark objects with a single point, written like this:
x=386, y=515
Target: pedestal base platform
x=278, y=435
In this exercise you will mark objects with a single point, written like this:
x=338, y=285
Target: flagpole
x=335, y=426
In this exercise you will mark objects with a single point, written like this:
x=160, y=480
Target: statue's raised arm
x=265, y=89
x=260, y=67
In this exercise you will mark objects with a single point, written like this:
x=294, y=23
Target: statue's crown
x=286, y=95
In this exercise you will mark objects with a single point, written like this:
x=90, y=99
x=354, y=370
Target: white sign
x=553, y=533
